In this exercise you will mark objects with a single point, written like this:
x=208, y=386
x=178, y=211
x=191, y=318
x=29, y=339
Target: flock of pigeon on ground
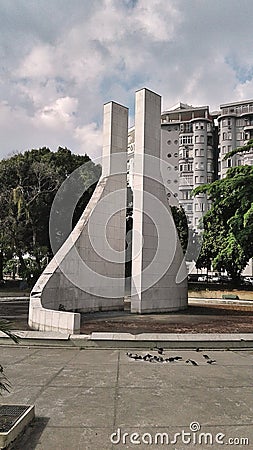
x=161, y=359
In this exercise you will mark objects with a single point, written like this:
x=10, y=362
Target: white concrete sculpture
x=88, y=272
x=159, y=277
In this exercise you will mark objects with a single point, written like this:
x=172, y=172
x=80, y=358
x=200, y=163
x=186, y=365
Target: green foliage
x=28, y=184
x=244, y=149
x=4, y=382
x=180, y=220
x=228, y=225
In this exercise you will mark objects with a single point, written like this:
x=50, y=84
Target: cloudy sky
x=61, y=60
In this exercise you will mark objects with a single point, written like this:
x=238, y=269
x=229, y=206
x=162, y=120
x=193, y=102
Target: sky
x=61, y=60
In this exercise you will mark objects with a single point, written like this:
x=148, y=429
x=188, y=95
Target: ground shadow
x=31, y=437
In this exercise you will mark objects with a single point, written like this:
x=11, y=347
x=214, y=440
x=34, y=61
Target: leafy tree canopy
x=228, y=225
x=28, y=184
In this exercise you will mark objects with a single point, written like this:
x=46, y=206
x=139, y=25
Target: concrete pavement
x=82, y=396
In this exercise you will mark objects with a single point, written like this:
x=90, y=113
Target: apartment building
x=188, y=152
x=194, y=142
x=235, y=129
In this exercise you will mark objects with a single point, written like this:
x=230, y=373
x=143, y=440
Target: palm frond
x=5, y=328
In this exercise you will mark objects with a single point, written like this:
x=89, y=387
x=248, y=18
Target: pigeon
x=159, y=350
x=206, y=356
x=211, y=361
x=147, y=356
x=178, y=358
x=130, y=355
x=171, y=359
x=137, y=357
x=192, y=362
x=197, y=349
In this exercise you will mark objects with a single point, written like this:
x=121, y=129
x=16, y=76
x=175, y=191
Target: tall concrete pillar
x=156, y=253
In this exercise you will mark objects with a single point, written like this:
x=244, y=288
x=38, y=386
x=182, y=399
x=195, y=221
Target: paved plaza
x=82, y=396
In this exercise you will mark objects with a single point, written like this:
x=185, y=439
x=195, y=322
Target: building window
x=186, y=195
x=176, y=155
x=169, y=142
x=229, y=163
x=186, y=179
x=169, y=155
x=184, y=140
x=224, y=136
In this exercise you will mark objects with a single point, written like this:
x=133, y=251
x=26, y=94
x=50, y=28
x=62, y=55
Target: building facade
x=188, y=153
x=235, y=129
x=194, y=142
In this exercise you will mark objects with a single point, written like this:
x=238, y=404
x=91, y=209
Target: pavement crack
x=46, y=385
x=116, y=393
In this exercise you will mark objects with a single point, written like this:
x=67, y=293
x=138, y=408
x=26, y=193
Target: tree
x=4, y=382
x=180, y=220
x=28, y=184
x=228, y=226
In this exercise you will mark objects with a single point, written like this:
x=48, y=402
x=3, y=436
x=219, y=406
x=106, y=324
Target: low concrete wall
x=209, y=293
x=43, y=319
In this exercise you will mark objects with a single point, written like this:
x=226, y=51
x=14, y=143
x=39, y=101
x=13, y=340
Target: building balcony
x=248, y=127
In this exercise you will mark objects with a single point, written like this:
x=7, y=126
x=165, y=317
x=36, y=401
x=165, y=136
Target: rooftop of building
x=241, y=102
x=184, y=107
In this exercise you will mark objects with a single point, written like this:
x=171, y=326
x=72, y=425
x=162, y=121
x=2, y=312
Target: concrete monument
x=88, y=272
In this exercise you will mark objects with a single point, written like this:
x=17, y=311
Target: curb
x=128, y=340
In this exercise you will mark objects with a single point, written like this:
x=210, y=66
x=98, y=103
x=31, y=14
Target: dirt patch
x=196, y=319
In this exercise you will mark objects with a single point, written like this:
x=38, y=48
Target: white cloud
x=90, y=139
x=60, y=113
x=61, y=62
x=39, y=63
